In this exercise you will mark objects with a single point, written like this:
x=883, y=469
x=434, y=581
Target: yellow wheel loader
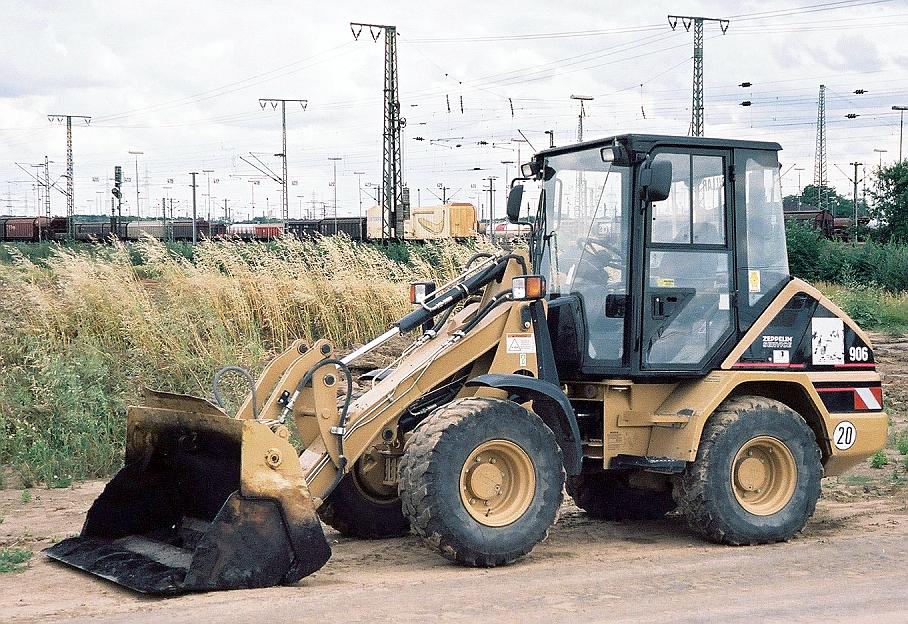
x=651, y=353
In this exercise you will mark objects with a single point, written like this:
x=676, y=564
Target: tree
x=890, y=201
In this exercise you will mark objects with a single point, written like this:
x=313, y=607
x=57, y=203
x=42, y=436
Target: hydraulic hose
x=216, y=387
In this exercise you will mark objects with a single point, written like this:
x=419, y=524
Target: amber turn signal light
x=528, y=287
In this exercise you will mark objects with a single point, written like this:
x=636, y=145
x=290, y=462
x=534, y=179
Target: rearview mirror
x=656, y=181
x=515, y=198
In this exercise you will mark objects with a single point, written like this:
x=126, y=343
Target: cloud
x=181, y=82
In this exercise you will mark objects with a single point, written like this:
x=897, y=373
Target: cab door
x=688, y=309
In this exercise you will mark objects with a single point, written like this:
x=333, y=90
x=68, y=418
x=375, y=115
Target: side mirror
x=515, y=197
x=656, y=181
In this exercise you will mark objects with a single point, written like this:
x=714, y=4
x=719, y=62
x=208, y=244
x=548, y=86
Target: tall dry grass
x=81, y=333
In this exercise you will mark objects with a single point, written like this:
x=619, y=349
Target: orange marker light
x=528, y=287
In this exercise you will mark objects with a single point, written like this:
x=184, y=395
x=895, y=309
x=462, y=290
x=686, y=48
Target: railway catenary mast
x=820, y=179
x=70, y=185
x=395, y=200
x=697, y=123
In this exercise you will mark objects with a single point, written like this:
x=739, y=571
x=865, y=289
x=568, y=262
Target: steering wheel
x=595, y=257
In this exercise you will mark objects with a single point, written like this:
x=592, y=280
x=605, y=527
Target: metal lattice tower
x=697, y=122
x=580, y=182
x=820, y=179
x=70, y=183
x=394, y=199
x=285, y=199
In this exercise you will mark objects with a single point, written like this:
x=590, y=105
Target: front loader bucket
x=204, y=502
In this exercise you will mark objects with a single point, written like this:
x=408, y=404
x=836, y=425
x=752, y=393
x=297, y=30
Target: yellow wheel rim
x=497, y=483
x=763, y=476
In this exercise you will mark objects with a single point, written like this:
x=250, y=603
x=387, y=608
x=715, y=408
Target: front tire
x=481, y=481
x=756, y=479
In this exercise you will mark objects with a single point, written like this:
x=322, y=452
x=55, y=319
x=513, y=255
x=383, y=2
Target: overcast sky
x=180, y=81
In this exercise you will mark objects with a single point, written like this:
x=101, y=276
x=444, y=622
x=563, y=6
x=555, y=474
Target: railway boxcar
x=87, y=231
x=456, y=220
x=303, y=228
x=25, y=229
x=354, y=227
x=256, y=231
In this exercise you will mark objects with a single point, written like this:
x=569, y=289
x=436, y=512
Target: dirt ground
x=850, y=564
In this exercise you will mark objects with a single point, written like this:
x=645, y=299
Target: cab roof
x=646, y=142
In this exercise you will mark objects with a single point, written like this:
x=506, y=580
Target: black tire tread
x=691, y=487
x=416, y=500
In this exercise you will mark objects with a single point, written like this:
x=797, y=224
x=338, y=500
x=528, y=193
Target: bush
x=13, y=559
x=878, y=460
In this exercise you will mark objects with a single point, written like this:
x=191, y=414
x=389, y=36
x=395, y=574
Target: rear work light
x=420, y=291
x=528, y=287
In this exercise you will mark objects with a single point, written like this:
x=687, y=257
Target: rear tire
x=481, y=481
x=607, y=496
x=354, y=511
x=756, y=479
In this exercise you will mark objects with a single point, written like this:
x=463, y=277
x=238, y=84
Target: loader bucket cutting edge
x=197, y=507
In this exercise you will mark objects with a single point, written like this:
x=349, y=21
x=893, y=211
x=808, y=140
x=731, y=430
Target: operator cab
x=659, y=251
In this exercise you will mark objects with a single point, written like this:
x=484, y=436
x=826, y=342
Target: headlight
x=528, y=287
x=420, y=291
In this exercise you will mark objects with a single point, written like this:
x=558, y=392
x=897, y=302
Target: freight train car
x=304, y=228
x=821, y=220
x=24, y=229
x=456, y=220
x=255, y=231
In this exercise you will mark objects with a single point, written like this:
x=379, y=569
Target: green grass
x=871, y=307
x=83, y=329
x=13, y=559
x=26, y=496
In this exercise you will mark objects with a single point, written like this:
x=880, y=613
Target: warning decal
x=520, y=343
x=753, y=281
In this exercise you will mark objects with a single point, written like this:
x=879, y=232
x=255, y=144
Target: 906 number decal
x=858, y=354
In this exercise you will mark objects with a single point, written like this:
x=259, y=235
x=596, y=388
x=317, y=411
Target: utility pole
x=195, y=236
x=226, y=215
x=856, y=164
x=491, y=189
x=697, y=122
x=136, y=154
x=551, y=134
x=395, y=200
x=800, y=188
x=263, y=102
x=820, y=179
x=208, y=173
x=70, y=185
x=359, y=183
x=334, y=160
x=581, y=99
x=901, y=110
x=580, y=182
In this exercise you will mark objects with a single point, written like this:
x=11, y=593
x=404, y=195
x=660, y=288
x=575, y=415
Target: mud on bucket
x=204, y=502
